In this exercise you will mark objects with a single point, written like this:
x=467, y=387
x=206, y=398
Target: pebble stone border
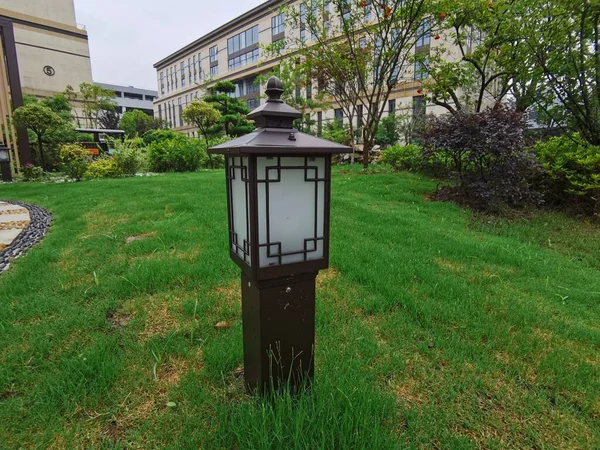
x=40, y=219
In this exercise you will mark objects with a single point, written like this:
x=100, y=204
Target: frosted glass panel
x=239, y=218
x=291, y=209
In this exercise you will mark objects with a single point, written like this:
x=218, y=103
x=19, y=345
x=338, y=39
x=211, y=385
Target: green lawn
x=435, y=329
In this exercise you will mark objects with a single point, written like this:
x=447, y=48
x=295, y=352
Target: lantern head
x=4, y=154
x=278, y=193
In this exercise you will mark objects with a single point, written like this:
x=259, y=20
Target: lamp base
x=279, y=332
x=6, y=173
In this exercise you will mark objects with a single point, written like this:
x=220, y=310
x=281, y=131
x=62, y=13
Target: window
x=159, y=112
x=277, y=24
x=195, y=71
x=213, y=55
x=391, y=107
x=170, y=116
x=149, y=98
x=345, y=10
x=421, y=69
x=199, y=66
x=214, y=71
x=243, y=40
x=319, y=123
x=424, y=34
x=253, y=103
x=359, y=116
x=243, y=60
x=180, y=109
x=326, y=17
x=308, y=91
x=339, y=114
x=182, y=73
x=419, y=106
x=174, y=76
x=367, y=9
x=245, y=87
x=162, y=83
x=302, y=21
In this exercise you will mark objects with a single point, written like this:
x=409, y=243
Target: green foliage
x=387, y=131
x=136, y=123
x=161, y=135
x=93, y=99
x=572, y=172
x=130, y=158
x=407, y=157
x=233, y=111
x=43, y=122
x=60, y=105
x=32, y=173
x=103, y=168
x=177, y=155
x=336, y=131
x=75, y=161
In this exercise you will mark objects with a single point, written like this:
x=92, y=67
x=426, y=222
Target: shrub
x=103, y=168
x=485, y=154
x=161, y=135
x=177, y=155
x=75, y=160
x=218, y=161
x=572, y=172
x=130, y=159
x=387, y=131
x=407, y=157
x=32, y=173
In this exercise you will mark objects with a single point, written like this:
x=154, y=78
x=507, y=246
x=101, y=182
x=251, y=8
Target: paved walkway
x=13, y=219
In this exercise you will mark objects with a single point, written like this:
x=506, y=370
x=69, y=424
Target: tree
x=137, y=123
x=205, y=117
x=93, y=100
x=565, y=45
x=233, y=120
x=41, y=120
x=60, y=105
x=487, y=63
x=109, y=120
x=359, y=51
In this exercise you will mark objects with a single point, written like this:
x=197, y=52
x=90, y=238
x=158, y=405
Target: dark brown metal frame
x=253, y=270
x=14, y=81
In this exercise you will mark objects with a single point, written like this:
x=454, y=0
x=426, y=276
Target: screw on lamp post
x=278, y=201
x=5, y=163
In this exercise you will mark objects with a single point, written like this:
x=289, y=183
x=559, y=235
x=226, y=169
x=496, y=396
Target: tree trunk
x=41, y=152
x=366, y=150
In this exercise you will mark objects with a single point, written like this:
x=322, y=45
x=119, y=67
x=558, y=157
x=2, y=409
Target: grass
x=435, y=329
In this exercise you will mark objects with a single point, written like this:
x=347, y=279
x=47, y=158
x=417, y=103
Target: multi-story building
x=233, y=52
x=129, y=98
x=43, y=50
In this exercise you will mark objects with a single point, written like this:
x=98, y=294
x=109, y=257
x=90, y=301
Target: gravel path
x=38, y=226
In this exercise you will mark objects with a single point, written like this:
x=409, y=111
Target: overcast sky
x=128, y=36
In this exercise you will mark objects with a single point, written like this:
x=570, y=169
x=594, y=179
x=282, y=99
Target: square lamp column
x=278, y=192
x=5, y=163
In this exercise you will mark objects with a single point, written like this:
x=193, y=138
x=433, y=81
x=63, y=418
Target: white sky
x=127, y=37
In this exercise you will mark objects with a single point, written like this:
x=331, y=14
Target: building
x=129, y=98
x=233, y=52
x=44, y=50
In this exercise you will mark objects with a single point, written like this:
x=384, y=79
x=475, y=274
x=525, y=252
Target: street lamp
x=278, y=192
x=5, y=163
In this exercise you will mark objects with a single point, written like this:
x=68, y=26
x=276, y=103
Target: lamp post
x=5, y=163
x=278, y=192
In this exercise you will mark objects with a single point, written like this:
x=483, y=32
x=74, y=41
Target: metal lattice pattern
x=312, y=173
x=237, y=173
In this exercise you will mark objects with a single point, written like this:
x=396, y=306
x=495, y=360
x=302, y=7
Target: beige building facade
x=234, y=52
x=43, y=50
x=52, y=50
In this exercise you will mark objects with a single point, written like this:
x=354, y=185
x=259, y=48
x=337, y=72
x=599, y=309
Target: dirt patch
x=229, y=294
x=118, y=320
x=407, y=390
x=449, y=265
x=139, y=237
x=9, y=394
x=161, y=318
x=325, y=277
